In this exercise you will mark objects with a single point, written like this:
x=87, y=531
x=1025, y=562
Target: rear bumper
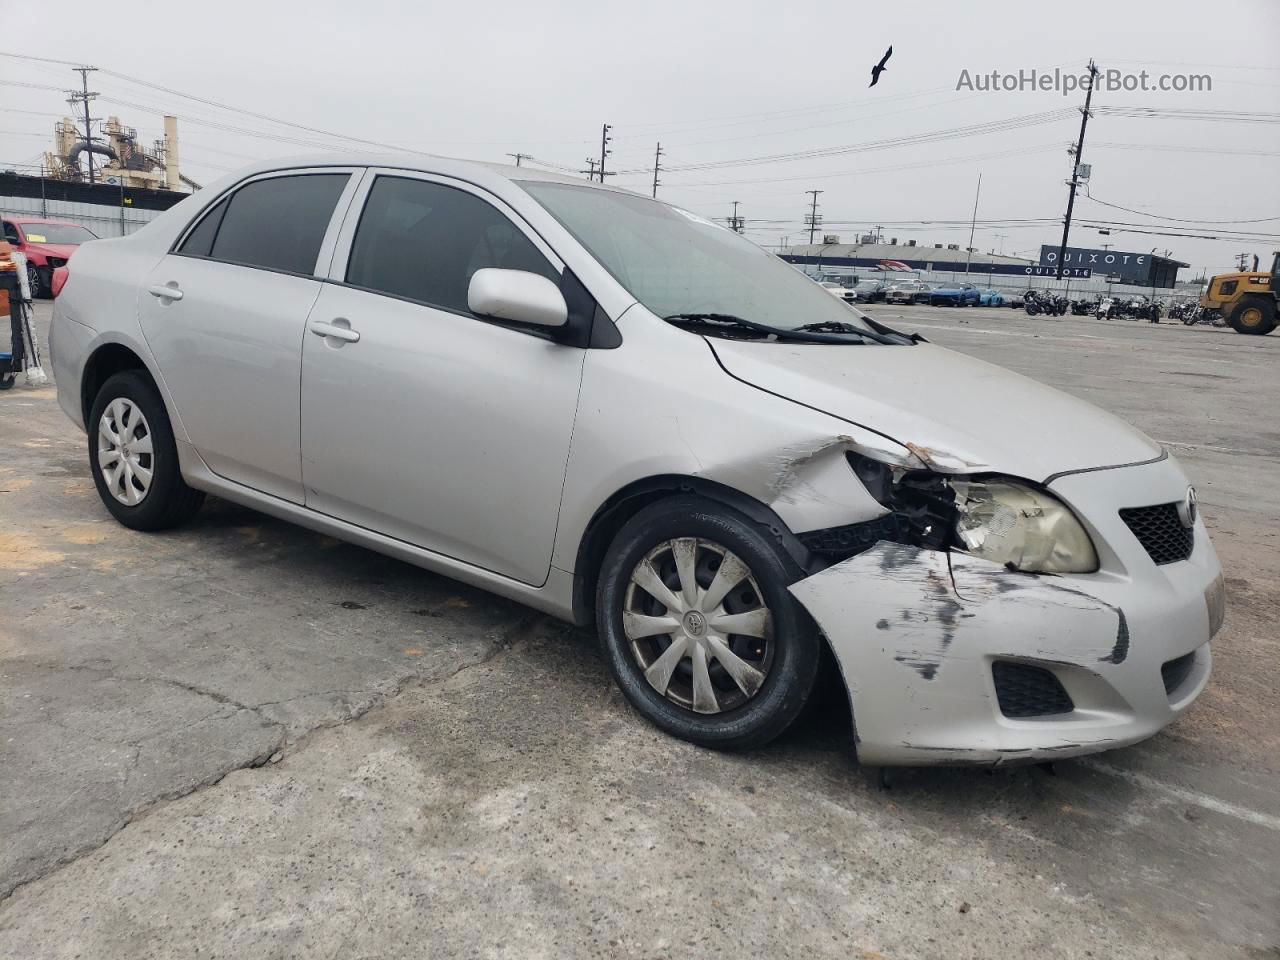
x=917, y=632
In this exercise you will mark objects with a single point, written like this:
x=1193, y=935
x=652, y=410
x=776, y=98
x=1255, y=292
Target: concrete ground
x=244, y=740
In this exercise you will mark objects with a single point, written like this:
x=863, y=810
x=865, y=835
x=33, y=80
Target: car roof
x=474, y=171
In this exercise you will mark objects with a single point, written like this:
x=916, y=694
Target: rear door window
x=424, y=241
x=275, y=224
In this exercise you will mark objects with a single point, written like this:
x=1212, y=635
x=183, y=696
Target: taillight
x=59, y=280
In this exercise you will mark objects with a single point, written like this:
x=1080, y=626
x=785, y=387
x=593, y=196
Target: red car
x=48, y=244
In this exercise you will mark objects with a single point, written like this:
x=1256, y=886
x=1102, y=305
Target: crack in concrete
x=503, y=643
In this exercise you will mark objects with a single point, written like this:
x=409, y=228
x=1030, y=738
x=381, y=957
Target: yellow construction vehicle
x=1246, y=300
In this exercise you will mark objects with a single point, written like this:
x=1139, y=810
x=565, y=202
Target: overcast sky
x=715, y=82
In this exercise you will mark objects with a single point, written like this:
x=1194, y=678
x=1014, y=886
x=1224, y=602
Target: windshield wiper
x=781, y=333
x=840, y=326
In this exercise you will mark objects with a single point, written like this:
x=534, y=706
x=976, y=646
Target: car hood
x=968, y=414
x=63, y=250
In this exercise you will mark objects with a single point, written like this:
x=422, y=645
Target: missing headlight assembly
x=1001, y=519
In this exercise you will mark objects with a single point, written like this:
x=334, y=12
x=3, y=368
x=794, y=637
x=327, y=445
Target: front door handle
x=165, y=291
x=339, y=330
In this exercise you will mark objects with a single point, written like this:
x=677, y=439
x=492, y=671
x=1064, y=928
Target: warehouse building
x=832, y=256
x=107, y=210
x=947, y=263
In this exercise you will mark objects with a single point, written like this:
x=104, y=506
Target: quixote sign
x=1053, y=271
x=1133, y=267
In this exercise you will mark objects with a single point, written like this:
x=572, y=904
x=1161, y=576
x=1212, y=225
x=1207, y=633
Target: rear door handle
x=165, y=291
x=335, y=330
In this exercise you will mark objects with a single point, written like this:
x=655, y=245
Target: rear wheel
x=698, y=628
x=134, y=458
x=1254, y=315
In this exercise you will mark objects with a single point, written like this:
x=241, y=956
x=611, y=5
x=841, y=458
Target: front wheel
x=134, y=458
x=35, y=281
x=698, y=628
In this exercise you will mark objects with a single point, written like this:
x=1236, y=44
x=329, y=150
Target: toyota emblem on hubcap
x=695, y=624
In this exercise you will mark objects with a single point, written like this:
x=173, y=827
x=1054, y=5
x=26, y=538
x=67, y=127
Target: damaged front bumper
x=1110, y=657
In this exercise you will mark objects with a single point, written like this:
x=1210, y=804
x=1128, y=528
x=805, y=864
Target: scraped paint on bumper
x=916, y=633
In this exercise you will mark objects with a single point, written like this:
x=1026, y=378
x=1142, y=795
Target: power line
x=932, y=136
x=1189, y=113
x=33, y=86
x=1156, y=216
x=1234, y=237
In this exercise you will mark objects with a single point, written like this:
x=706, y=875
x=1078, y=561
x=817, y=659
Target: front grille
x=1174, y=673
x=1027, y=691
x=1160, y=531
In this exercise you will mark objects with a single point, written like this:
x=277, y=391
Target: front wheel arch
x=613, y=514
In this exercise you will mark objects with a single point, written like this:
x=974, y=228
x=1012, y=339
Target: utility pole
x=1077, y=153
x=1242, y=261
x=973, y=222
x=85, y=96
x=604, y=148
x=657, y=165
x=519, y=157
x=1001, y=237
x=813, y=220
x=591, y=168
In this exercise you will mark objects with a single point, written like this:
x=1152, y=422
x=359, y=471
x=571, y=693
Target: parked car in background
x=907, y=291
x=954, y=295
x=870, y=291
x=1014, y=300
x=990, y=298
x=625, y=415
x=47, y=245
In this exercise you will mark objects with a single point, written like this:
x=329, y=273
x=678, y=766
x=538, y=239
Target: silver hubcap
x=125, y=455
x=698, y=626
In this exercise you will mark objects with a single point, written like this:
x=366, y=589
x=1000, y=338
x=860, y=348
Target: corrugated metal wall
x=103, y=220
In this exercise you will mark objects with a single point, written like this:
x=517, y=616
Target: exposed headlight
x=1010, y=523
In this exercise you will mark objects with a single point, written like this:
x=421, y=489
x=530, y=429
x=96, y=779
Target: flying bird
x=880, y=68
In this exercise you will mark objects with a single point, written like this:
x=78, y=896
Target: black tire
x=1254, y=316
x=168, y=502
x=796, y=643
x=37, y=281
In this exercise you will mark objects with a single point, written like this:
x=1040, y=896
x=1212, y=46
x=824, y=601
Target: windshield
x=675, y=262
x=56, y=233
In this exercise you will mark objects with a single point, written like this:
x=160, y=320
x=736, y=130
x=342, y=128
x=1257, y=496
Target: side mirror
x=517, y=295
